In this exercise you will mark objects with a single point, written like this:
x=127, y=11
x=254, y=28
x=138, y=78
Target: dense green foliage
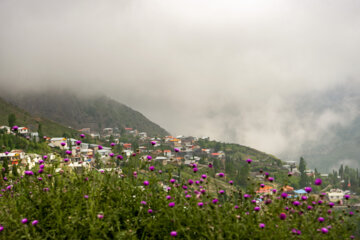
x=9, y=142
x=95, y=205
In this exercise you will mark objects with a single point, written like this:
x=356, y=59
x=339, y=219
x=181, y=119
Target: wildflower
x=284, y=195
x=215, y=200
x=210, y=165
x=321, y=219
x=200, y=204
x=324, y=230
x=149, y=157
x=78, y=142
x=172, y=180
x=256, y=209
x=176, y=150
x=5, y=178
x=351, y=213
x=41, y=161
x=111, y=154
x=39, y=178
x=112, y=144
x=46, y=189
x=68, y=152
x=246, y=196
x=24, y=220
x=308, y=189
x=190, y=181
x=290, y=174
x=66, y=159
x=63, y=144
x=236, y=206
x=221, y=191
x=120, y=157
x=274, y=190
x=86, y=196
x=262, y=185
x=195, y=170
x=45, y=157
x=304, y=198
x=318, y=181
x=271, y=179
x=249, y=160
x=82, y=135
x=197, y=182
x=146, y=183
x=221, y=174
x=6, y=153
x=282, y=216
x=173, y=233
x=262, y=225
x=143, y=203
x=42, y=166
x=331, y=204
x=168, y=197
x=29, y=173
x=171, y=204
x=184, y=187
x=100, y=147
x=150, y=211
x=151, y=168
x=346, y=196
x=15, y=128
x=1, y=228
x=188, y=196
x=100, y=216
x=231, y=182
x=35, y=222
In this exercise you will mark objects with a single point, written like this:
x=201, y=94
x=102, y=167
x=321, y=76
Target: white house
x=23, y=130
x=335, y=195
x=6, y=129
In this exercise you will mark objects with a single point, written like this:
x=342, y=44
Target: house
x=6, y=129
x=167, y=153
x=23, y=130
x=57, y=141
x=142, y=135
x=335, y=195
x=108, y=131
x=85, y=131
x=127, y=145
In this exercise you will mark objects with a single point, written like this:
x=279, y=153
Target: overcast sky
x=231, y=70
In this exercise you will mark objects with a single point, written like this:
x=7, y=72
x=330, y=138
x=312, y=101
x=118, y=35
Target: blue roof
x=300, y=191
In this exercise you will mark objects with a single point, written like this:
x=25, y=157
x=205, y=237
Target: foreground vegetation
x=148, y=201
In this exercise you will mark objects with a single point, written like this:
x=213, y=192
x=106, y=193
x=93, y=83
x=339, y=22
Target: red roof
x=215, y=154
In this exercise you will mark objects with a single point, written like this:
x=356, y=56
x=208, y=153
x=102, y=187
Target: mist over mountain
x=79, y=111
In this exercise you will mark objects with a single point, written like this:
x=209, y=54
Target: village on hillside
x=178, y=151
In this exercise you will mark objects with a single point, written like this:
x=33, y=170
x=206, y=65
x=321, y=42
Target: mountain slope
x=24, y=118
x=95, y=112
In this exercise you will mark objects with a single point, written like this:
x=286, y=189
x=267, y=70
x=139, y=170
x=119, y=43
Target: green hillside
x=23, y=118
x=95, y=112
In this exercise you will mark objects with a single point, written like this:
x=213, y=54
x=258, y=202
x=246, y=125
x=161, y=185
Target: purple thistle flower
x=15, y=128
x=82, y=135
x=171, y=204
x=282, y=216
x=42, y=166
x=63, y=144
x=68, y=152
x=153, y=143
x=210, y=165
x=45, y=157
x=148, y=157
x=190, y=181
x=172, y=180
x=100, y=147
x=321, y=219
x=215, y=200
x=249, y=160
x=284, y=195
x=262, y=225
x=256, y=209
x=111, y=154
x=35, y=222
x=331, y=204
x=176, y=150
x=262, y=185
x=146, y=183
x=173, y=233
x=29, y=173
x=46, y=189
x=86, y=196
x=246, y=196
x=231, y=182
x=197, y=182
x=24, y=221
x=308, y=189
x=143, y=203
x=150, y=211
x=120, y=157
x=66, y=159
x=271, y=179
x=41, y=161
x=100, y=216
x=184, y=187
x=318, y=181
x=274, y=190
x=188, y=196
x=5, y=178
x=324, y=230
x=39, y=178
x=6, y=153
x=304, y=198
x=200, y=204
x=78, y=142
x=221, y=174
x=221, y=191
x=151, y=168
x=1, y=228
x=112, y=144
x=195, y=170
x=168, y=197
x=347, y=196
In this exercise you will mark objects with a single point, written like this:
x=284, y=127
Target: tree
x=14, y=170
x=6, y=165
x=11, y=120
x=341, y=171
x=40, y=132
x=303, y=177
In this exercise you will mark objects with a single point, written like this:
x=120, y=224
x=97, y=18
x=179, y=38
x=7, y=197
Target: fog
x=237, y=71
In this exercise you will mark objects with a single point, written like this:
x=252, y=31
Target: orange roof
x=179, y=158
x=167, y=151
x=287, y=188
x=215, y=154
x=204, y=149
x=128, y=128
x=264, y=189
x=174, y=140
